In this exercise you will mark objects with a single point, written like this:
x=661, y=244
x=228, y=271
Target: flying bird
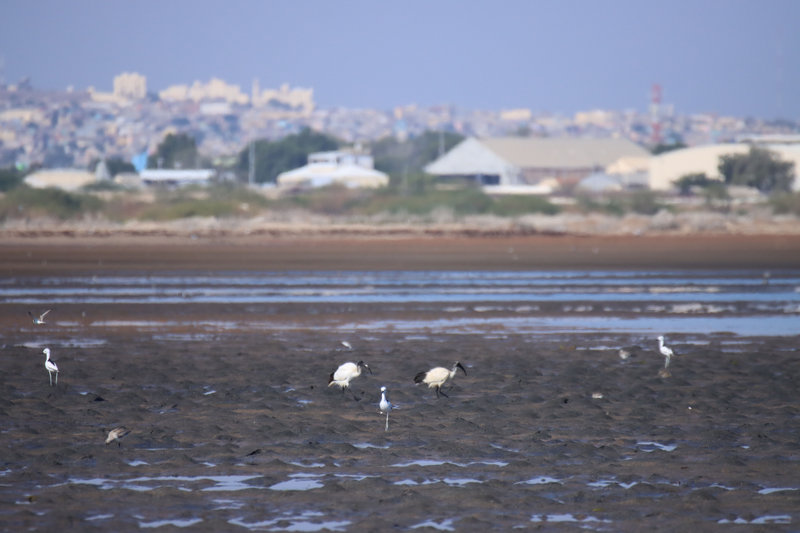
x=347, y=345
x=436, y=377
x=116, y=434
x=50, y=365
x=385, y=406
x=345, y=373
x=38, y=319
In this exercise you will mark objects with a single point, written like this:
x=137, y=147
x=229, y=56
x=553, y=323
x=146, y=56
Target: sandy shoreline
x=21, y=255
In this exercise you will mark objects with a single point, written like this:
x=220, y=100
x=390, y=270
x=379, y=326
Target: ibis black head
x=458, y=365
x=362, y=364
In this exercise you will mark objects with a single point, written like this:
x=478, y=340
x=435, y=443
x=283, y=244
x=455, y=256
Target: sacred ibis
x=345, y=373
x=436, y=377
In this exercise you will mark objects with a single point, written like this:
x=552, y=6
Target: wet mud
x=238, y=430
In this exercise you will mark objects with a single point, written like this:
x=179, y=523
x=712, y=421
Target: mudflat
x=234, y=429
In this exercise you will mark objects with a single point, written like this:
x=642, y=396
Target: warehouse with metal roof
x=514, y=163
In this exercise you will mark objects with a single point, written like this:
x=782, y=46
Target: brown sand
x=520, y=442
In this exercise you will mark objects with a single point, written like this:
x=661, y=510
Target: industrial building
x=532, y=165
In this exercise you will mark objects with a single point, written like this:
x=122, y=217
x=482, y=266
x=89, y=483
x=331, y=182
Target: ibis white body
x=665, y=351
x=346, y=373
x=436, y=377
x=50, y=365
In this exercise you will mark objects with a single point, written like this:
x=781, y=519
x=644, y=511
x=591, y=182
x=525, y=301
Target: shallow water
x=744, y=302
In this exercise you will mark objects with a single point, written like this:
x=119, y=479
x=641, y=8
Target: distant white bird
x=347, y=345
x=665, y=351
x=345, y=373
x=436, y=377
x=38, y=319
x=624, y=354
x=116, y=434
x=50, y=365
x=385, y=406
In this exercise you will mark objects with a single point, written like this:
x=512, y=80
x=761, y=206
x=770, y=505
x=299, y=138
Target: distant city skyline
x=728, y=57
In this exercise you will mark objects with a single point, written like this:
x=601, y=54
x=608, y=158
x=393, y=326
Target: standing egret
x=38, y=319
x=665, y=351
x=345, y=373
x=50, y=365
x=116, y=434
x=385, y=406
x=436, y=377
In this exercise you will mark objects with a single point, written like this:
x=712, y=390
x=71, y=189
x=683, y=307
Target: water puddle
x=762, y=520
x=143, y=484
x=541, y=480
x=65, y=343
x=772, y=490
x=444, y=525
x=366, y=445
x=299, y=482
x=99, y=517
x=650, y=446
x=452, y=482
x=567, y=517
x=302, y=522
x=429, y=462
x=175, y=523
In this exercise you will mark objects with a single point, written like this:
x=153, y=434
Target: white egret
x=665, y=351
x=345, y=373
x=436, y=377
x=50, y=365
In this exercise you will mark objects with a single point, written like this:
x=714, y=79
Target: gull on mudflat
x=436, y=377
x=347, y=345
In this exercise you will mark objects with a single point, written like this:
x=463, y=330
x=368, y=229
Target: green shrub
x=522, y=205
x=786, y=203
x=24, y=201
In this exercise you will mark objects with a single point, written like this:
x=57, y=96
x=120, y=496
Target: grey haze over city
x=732, y=57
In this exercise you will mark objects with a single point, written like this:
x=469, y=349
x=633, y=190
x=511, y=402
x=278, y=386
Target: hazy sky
x=731, y=57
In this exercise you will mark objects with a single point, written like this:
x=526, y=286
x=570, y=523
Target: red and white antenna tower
x=655, y=114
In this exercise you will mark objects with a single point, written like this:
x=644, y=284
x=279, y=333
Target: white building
x=130, y=85
x=66, y=179
x=176, y=177
x=529, y=164
x=667, y=168
x=338, y=167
